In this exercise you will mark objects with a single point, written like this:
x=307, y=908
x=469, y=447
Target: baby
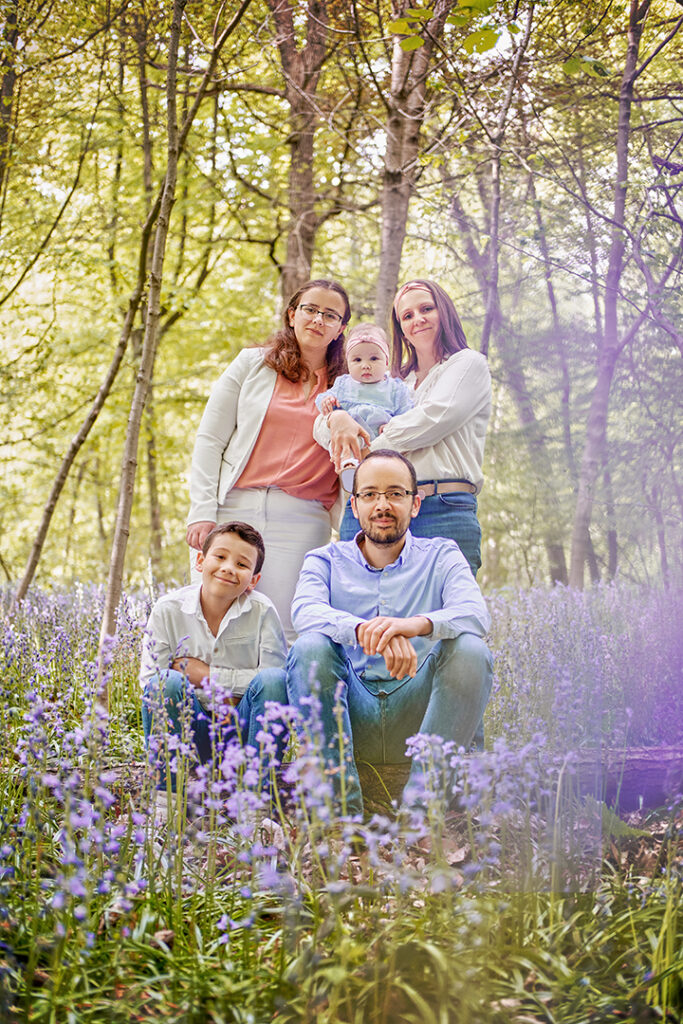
x=366, y=392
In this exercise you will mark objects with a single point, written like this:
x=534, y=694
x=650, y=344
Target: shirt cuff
x=234, y=680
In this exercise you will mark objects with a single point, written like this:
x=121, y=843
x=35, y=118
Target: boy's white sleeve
x=157, y=651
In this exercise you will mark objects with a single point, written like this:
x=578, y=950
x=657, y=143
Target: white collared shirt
x=249, y=638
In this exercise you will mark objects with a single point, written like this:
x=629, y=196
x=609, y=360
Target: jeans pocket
x=462, y=501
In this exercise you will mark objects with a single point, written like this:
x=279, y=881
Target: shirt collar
x=362, y=560
x=192, y=605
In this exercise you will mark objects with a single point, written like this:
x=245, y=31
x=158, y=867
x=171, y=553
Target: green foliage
x=577, y=65
x=229, y=231
x=479, y=42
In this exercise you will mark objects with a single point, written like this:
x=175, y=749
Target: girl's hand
x=328, y=404
x=345, y=434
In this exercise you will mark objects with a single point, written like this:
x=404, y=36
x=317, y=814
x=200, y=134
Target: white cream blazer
x=227, y=433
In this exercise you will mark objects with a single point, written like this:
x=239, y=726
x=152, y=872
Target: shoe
x=347, y=473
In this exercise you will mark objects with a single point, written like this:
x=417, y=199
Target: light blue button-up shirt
x=338, y=589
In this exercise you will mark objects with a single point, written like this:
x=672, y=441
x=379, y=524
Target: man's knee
x=311, y=647
x=471, y=657
x=474, y=649
x=315, y=662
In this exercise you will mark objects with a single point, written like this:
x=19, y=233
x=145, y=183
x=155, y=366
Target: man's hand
x=195, y=669
x=390, y=636
x=345, y=434
x=198, y=532
x=400, y=657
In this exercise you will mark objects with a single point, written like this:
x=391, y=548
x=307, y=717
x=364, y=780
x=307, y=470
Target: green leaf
x=420, y=12
x=477, y=5
x=479, y=42
x=572, y=66
x=412, y=43
x=513, y=29
x=458, y=19
x=595, y=68
x=400, y=26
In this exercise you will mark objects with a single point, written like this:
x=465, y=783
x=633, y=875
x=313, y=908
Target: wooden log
x=625, y=779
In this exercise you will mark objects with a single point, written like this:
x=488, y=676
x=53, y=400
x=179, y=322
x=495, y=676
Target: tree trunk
x=596, y=431
x=406, y=108
x=129, y=461
x=611, y=516
x=10, y=35
x=155, y=546
x=655, y=499
x=72, y=511
x=176, y=142
x=492, y=312
x=301, y=69
x=81, y=435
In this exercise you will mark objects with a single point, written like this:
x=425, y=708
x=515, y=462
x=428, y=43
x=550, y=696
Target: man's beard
x=384, y=535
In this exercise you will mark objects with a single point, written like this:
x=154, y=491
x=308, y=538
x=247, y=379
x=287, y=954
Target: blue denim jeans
x=179, y=697
x=446, y=698
x=441, y=515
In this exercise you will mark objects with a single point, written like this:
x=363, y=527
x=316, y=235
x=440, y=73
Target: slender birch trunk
x=144, y=374
x=176, y=141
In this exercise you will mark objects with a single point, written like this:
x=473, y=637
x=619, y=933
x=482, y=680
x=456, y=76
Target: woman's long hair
x=451, y=337
x=282, y=349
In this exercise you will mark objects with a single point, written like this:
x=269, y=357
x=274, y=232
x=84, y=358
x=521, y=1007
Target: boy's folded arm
x=195, y=669
x=271, y=653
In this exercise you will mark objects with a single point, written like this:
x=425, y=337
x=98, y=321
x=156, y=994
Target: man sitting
x=215, y=639
x=390, y=627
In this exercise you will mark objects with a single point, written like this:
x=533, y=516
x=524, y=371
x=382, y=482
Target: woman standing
x=443, y=435
x=255, y=458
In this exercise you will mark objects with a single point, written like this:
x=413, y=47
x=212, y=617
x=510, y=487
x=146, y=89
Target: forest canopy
x=526, y=155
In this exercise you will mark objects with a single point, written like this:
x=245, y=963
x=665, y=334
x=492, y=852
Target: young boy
x=366, y=392
x=214, y=641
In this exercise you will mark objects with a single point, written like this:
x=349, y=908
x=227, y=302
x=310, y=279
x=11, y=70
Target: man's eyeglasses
x=392, y=494
x=328, y=317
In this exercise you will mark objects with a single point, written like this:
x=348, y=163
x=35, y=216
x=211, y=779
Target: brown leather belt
x=426, y=488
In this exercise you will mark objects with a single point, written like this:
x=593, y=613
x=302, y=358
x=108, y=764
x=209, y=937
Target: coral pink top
x=285, y=454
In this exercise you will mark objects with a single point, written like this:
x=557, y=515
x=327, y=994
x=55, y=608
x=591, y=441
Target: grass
x=524, y=903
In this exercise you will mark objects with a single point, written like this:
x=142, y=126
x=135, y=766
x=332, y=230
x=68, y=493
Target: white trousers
x=290, y=528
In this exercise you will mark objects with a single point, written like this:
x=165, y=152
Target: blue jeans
x=441, y=515
x=179, y=696
x=446, y=698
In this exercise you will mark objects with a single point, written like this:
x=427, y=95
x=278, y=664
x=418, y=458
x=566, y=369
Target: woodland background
x=526, y=155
